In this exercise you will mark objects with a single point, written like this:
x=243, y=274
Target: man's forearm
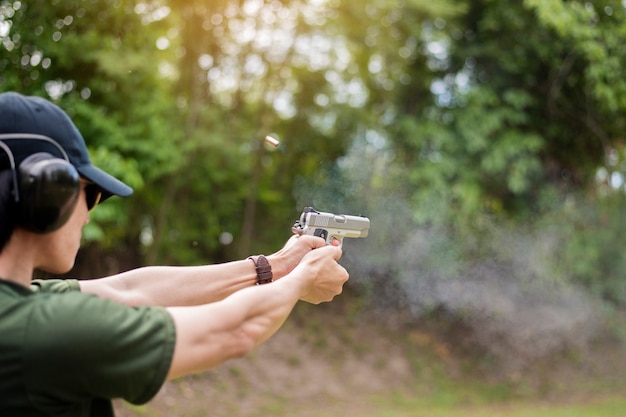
x=174, y=286
x=209, y=335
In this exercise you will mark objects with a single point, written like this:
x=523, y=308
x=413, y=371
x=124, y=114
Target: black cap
x=29, y=115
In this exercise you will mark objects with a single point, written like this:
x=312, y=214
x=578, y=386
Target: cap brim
x=109, y=184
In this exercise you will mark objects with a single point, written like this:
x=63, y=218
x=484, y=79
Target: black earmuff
x=46, y=189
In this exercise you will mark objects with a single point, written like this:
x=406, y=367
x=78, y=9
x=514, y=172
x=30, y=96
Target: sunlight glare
x=5, y=28
x=252, y=7
x=205, y=61
x=284, y=105
x=617, y=180
x=162, y=43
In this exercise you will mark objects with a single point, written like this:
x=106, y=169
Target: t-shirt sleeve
x=80, y=346
x=54, y=285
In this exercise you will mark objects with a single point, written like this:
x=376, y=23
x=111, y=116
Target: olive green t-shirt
x=65, y=353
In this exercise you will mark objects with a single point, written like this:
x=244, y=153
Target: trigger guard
x=321, y=233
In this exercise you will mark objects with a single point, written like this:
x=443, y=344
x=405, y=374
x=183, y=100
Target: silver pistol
x=331, y=227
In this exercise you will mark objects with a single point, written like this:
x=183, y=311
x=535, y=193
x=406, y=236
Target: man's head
x=46, y=156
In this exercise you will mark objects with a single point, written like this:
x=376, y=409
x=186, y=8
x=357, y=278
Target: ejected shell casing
x=273, y=142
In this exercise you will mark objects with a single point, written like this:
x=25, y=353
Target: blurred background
x=484, y=140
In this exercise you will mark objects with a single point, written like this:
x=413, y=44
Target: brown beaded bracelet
x=263, y=269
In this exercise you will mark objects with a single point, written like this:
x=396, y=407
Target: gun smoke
x=515, y=310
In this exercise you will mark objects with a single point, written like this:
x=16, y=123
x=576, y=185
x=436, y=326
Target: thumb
x=314, y=242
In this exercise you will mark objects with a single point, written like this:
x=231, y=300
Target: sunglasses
x=93, y=194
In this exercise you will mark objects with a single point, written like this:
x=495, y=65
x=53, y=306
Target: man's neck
x=17, y=259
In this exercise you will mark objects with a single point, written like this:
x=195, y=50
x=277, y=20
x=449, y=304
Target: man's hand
x=323, y=275
x=285, y=260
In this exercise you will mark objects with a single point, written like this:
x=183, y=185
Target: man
x=68, y=347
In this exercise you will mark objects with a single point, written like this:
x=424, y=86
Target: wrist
x=263, y=268
x=278, y=270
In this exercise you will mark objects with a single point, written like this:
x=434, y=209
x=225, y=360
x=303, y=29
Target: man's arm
x=209, y=335
x=195, y=285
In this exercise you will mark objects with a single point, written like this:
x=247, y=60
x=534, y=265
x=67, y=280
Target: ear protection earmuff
x=45, y=187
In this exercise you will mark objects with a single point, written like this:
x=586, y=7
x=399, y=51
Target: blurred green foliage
x=474, y=111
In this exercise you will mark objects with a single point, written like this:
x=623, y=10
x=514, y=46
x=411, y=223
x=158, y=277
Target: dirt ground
x=332, y=361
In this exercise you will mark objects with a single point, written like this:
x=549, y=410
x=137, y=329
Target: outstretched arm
x=195, y=285
x=209, y=335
